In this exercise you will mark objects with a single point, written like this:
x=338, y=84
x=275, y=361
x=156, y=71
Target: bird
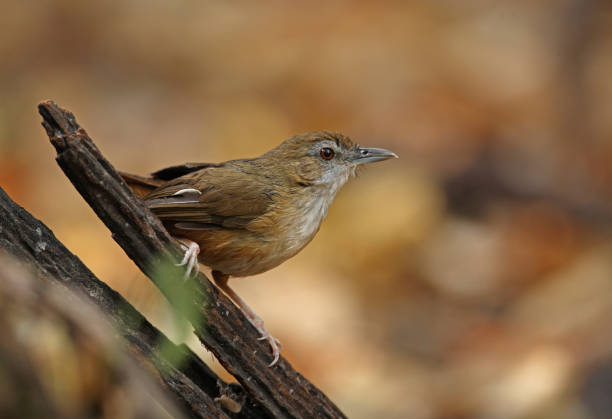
x=244, y=217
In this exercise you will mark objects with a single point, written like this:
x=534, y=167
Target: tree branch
x=80, y=356
x=193, y=384
x=219, y=325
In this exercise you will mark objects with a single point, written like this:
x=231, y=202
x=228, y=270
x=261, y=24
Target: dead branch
x=193, y=384
x=219, y=325
x=78, y=344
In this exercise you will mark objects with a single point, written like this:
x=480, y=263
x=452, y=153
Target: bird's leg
x=221, y=280
x=192, y=250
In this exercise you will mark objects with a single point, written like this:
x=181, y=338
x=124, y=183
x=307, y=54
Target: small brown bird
x=244, y=217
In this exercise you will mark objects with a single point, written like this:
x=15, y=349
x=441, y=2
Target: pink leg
x=192, y=250
x=221, y=281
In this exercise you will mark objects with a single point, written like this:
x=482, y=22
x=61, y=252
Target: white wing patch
x=187, y=191
x=184, y=196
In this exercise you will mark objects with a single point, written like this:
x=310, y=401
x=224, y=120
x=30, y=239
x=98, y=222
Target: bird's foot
x=275, y=344
x=221, y=281
x=192, y=250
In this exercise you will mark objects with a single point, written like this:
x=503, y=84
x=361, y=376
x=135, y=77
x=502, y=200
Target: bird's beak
x=369, y=155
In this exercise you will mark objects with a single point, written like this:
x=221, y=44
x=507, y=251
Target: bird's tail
x=141, y=185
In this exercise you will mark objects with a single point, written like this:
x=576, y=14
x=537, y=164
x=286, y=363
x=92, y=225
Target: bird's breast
x=289, y=225
x=303, y=219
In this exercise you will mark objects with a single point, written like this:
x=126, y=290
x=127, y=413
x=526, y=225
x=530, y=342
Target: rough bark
x=192, y=383
x=61, y=358
x=220, y=326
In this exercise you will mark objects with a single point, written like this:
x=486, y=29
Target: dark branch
x=219, y=325
x=78, y=339
x=193, y=384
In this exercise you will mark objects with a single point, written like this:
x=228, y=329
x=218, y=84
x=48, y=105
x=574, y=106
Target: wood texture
x=221, y=327
x=193, y=385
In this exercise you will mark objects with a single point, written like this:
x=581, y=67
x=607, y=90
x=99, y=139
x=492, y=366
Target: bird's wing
x=220, y=196
x=173, y=172
x=144, y=185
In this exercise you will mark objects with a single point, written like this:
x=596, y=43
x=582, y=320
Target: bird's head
x=323, y=158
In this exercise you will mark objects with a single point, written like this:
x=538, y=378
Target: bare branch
x=193, y=384
x=219, y=325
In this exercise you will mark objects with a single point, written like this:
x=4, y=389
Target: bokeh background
x=471, y=278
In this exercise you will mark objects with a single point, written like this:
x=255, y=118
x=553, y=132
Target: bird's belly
x=269, y=241
x=239, y=253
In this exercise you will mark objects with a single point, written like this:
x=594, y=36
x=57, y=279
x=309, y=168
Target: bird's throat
x=311, y=206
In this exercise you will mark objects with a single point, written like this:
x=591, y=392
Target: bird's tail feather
x=141, y=185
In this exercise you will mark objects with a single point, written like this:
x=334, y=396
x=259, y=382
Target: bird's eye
x=327, y=153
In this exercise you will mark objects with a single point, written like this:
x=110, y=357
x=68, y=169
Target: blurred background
x=471, y=278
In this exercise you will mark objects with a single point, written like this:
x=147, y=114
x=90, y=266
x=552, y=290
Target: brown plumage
x=249, y=215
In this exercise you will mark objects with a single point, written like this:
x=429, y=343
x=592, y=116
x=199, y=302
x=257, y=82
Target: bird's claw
x=192, y=250
x=269, y=336
x=275, y=344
